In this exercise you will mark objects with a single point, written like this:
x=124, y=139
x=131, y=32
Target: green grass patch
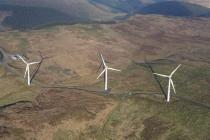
x=13, y=90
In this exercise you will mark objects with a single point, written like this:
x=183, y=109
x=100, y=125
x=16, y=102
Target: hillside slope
x=34, y=17
x=109, y=9
x=128, y=6
x=205, y=3
x=131, y=6
x=78, y=8
x=173, y=8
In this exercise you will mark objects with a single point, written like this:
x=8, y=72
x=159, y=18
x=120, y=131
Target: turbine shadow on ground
x=148, y=65
x=36, y=70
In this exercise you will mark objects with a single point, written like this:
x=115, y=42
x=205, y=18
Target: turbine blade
x=26, y=71
x=29, y=78
x=22, y=59
x=175, y=70
x=103, y=60
x=162, y=75
x=34, y=63
x=101, y=73
x=172, y=83
x=114, y=69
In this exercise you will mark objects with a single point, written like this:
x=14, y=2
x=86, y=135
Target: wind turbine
x=27, y=71
x=105, y=72
x=170, y=82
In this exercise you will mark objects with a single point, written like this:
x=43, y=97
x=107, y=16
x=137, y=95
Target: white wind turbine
x=170, y=83
x=105, y=72
x=27, y=71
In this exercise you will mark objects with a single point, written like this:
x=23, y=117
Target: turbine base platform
x=107, y=91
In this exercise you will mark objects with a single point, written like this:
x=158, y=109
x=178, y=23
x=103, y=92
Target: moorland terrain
x=66, y=101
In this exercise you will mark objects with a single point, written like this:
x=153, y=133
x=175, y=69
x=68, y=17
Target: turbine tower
x=105, y=72
x=170, y=83
x=27, y=71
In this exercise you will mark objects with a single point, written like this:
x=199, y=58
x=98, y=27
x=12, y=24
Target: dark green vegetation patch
x=173, y=8
x=35, y=17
